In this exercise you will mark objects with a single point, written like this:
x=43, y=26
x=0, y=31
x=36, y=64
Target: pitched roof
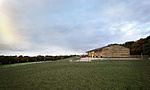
x=103, y=47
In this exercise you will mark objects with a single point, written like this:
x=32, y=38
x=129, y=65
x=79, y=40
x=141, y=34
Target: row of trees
x=140, y=46
x=20, y=59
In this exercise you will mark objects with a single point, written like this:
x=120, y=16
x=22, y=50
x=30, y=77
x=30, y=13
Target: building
x=110, y=51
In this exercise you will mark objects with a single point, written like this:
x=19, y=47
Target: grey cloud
x=49, y=31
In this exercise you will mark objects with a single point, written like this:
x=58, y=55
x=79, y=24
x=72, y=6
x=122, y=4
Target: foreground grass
x=121, y=75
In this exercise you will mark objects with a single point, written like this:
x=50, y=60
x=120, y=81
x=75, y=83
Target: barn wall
x=98, y=53
x=115, y=51
x=91, y=54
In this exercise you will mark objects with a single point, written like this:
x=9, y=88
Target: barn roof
x=104, y=47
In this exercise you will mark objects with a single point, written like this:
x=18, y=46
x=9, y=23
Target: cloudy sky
x=62, y=27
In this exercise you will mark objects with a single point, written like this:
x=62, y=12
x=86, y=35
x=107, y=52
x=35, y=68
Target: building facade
x=110, y=51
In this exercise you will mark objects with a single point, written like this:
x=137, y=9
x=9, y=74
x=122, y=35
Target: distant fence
x=139, y=56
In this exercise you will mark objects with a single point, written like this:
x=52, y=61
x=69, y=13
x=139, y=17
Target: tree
x=137, y=47
x=24, y=59
x=40, y=58
x=146, y=48
x=148, y=39
x=129, y=44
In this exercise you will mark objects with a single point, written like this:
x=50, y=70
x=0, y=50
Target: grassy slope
x=82, y=75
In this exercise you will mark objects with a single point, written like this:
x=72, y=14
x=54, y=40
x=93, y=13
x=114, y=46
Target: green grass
x=18, y=64
x=62, y=74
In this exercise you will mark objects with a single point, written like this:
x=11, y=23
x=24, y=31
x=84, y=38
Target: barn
x=110, y=51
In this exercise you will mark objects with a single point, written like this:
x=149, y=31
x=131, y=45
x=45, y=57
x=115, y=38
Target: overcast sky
x=62, y=27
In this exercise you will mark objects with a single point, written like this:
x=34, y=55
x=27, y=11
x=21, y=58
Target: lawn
x=62, y=74
x=18, y=64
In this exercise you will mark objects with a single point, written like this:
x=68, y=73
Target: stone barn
x=110, y=51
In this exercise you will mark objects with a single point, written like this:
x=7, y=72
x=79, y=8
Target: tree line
x=21, y=59
x=140, y=46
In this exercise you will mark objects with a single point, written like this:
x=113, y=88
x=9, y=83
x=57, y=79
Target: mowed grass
x=65, y=75
x=18, y=64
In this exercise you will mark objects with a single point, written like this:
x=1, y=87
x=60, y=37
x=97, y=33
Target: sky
x=64, y=27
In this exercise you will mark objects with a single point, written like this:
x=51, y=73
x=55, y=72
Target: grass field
x=18, y=64
x=65, y=75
